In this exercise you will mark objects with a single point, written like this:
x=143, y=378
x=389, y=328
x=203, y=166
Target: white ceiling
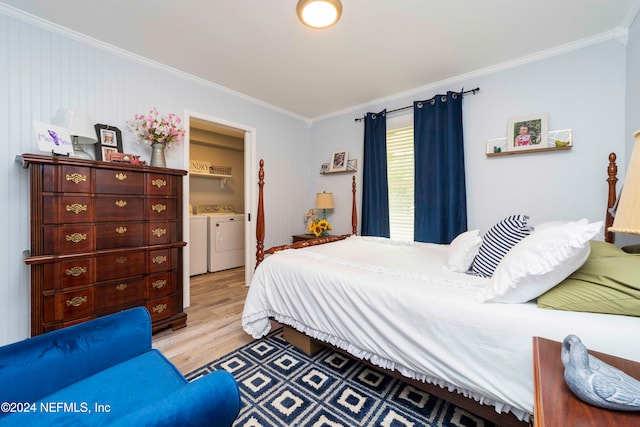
x=379, y=48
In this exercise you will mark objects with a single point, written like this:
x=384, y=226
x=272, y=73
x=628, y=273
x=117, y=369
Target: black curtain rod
x=464, y=92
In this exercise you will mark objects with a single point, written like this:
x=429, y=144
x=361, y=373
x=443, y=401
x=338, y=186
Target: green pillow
x=609, y=282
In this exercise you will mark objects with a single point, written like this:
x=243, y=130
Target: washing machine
x=225, y=237
x=198, y=244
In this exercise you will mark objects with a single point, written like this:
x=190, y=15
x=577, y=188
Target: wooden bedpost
x=260, y=218
x=260, y=226
x=612, y=172
x=354, y=211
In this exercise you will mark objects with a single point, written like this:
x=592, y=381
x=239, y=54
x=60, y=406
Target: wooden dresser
x=104, y=237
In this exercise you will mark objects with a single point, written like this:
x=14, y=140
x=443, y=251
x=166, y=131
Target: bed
x=400, y=307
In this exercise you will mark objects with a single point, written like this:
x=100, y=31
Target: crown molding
x=93, y=42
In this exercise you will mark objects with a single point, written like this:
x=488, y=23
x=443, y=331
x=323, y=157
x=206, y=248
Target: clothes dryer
x=225, y=237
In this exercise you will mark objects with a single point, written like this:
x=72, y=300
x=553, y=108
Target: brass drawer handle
x=159, y=232
x=159, y=308
x=121, y=259
x=76, y=271
x=121, y=203
x=121, y=176
x=159, y=259
x=159, y=284
x=76, y=237
x=121, y=286
x=121, y=230
x=76, y=208
x=76, y=178
x=76, y=301
x=159, y=182
x=159, y=208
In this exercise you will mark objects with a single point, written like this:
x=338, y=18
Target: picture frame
x=528, y=132
x=339, y=161
x=324, y=168
x=109, y=141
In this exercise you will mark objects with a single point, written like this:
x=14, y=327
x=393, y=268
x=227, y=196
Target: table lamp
x=81, y=128
x=324, y=201
x=627, y=214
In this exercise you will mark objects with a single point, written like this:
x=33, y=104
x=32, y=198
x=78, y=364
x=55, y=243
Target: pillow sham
x=498, y=241
x=463, y=250
x=541, y=261
x=606, y=283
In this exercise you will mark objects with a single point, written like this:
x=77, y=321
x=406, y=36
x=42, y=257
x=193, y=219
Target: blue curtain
x=440, y=191
x=375, y=189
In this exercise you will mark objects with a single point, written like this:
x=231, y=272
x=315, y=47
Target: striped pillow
x=497, y=241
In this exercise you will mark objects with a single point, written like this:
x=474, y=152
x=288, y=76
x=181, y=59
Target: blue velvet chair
x=104, y=372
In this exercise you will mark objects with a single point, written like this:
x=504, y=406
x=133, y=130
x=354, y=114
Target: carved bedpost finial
x=612, y=179
x=260, y=218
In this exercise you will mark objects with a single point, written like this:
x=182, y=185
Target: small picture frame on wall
x=109, y=141
x=324, y=168
x=528, y=133
x=339, y=160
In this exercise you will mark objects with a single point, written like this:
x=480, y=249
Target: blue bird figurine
x=596, y=382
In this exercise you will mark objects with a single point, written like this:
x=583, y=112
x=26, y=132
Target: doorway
x=196, y=123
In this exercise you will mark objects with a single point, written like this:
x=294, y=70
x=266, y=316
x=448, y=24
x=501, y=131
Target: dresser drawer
x=69, y=274
x=119, y=208
x=61, y=209
x=119, y=235
x=64, y=306
x=159, y=233
x=66, y=179
x=110, y=181
x=68, y=239
x=159, y=185
x=119, y=292
x=118, y=266
x=161, y=209
x=161, y=308
x=162, y=260
x=162, y=284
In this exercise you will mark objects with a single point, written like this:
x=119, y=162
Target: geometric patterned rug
x=282, y=386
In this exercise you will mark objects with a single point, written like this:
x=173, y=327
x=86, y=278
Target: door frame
x=250, y=202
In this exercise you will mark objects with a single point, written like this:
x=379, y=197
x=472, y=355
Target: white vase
x=157, y=155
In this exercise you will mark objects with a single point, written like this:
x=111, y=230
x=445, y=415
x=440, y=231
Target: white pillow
x=463, y=250
x=541, y=260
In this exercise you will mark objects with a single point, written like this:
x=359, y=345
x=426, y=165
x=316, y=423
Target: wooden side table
x=555, y=403
x=302, y=237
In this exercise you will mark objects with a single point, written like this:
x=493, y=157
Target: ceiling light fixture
x=319, y=13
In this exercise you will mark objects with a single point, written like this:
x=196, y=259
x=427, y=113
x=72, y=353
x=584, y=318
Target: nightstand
x=302, y=237
x=556, y=405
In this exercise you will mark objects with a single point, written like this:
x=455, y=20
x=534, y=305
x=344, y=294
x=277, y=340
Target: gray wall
x=582, y=89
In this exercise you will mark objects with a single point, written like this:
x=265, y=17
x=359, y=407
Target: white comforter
x=397, y=305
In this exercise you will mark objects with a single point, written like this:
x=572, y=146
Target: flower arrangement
x=320, y=228
x=153, y=128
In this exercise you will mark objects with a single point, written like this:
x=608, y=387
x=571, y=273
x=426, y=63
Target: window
x=400, y=165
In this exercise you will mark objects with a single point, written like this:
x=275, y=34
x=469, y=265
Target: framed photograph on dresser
x=109, y=141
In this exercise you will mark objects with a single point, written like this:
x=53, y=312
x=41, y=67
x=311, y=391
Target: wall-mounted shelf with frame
x=557, y=140
x=352, y=166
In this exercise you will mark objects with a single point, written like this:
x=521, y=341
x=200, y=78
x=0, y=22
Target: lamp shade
x=324, y=201
x=319, y=13
x=79, y=123
x=627, y=214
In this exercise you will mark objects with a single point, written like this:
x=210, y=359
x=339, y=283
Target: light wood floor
x=214, y=326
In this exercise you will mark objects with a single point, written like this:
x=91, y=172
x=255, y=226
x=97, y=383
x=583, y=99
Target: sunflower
x=324, y=224
x=317, y=230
